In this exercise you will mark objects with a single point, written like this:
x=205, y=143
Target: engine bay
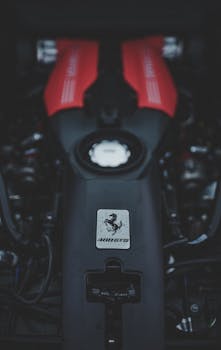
x=110, y=225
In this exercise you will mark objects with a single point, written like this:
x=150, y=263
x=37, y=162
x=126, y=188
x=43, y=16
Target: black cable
x=41, y=311
x=26, y=277
x=194, y=262
x=44, y=287
x=175, y=243
x=186, y=302
x=50, y=294
x=6, y=214
x=170, y=202
x=216, y=218
x=180, y=271
x=7, y=298
x=29, y=340
x=172, y=311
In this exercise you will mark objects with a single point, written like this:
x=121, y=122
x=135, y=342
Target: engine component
x=8, y=258
x=74, y=72
x=92, y=194
x=110, y=151
x=147, y=73
x=116, y=208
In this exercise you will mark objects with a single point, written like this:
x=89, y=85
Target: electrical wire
x=16, y=236
x=46, y=281
x=30, y=309
x=176, y=243
x=26, y=276
x=202, y=261
x=212, y=229
x=216, y=218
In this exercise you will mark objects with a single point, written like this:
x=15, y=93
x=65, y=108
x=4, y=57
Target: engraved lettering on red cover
x=74, y=72
x=147, y=73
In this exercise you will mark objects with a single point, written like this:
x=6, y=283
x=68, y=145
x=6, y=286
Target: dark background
x=95, y=17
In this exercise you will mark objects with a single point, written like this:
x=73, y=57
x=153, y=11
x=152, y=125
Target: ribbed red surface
x=74, y=72
x=146, y=72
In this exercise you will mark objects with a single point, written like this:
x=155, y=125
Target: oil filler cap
x=110, y=151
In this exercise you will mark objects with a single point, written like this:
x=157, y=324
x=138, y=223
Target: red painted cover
x=74, y=72
x=146, y=71
x=63, y=44
x=156, y=42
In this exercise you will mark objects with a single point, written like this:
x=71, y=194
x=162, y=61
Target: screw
x=194, y=308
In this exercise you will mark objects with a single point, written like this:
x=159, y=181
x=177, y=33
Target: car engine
x=110, y=197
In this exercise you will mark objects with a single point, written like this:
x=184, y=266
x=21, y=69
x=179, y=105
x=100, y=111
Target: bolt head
x=194, y=308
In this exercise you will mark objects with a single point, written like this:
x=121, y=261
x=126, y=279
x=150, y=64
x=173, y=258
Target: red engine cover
x=74, y=72
x=146, y=72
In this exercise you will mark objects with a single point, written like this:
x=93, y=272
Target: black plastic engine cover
x=88, y=191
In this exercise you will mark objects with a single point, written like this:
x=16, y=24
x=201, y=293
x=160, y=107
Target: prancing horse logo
x=111, y=224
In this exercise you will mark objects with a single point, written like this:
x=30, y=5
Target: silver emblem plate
x=113, y=229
